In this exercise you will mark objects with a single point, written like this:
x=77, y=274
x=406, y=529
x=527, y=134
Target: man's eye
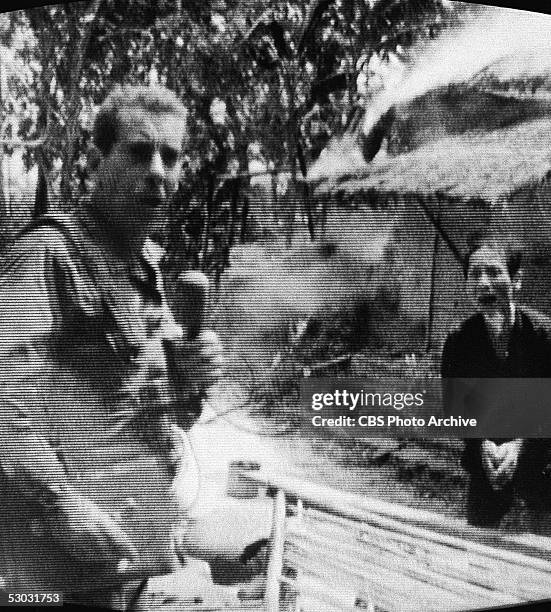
x=169, y=156
x=141, y=152
x=494, y=272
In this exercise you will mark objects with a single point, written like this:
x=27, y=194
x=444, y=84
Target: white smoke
x=265, y=290
x=341, y=155
x=512, y=43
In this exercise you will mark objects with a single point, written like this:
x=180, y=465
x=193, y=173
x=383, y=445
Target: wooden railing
x=337, y=551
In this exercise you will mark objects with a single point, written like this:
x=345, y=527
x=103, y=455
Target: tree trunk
x=73, y=104
x=234, y=207
x=430, y=323
x=275, y=216
x=290, y=199
x=306, y=190
x=41, y=196
x=41, y=193
x=4, y=212
x=208, y=205
x=244, y=219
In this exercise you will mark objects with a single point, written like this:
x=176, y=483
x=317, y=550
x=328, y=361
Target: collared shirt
x=83, y=375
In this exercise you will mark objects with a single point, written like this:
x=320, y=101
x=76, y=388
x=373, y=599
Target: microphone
x=193, y=290
x=190, y=310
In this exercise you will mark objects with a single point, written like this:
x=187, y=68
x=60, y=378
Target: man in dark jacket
x=502, y=340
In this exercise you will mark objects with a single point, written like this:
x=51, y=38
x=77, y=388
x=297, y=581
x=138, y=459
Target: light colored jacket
x=83, y=375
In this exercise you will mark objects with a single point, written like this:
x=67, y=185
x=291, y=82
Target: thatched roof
x=481, y=165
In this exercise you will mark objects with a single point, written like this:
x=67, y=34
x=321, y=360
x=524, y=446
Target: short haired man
x=89, y=437
x=501, y=340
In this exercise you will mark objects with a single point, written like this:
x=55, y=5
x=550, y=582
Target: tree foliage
x=285, y=74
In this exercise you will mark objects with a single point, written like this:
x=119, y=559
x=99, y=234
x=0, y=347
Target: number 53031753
x=16, y=598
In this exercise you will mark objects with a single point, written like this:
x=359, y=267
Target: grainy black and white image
x=207, y=207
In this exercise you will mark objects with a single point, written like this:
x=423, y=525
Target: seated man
x=501, y=340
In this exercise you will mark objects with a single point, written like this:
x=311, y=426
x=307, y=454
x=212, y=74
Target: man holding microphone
x=97, y=380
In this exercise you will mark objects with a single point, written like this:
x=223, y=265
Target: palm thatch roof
x=486, y=166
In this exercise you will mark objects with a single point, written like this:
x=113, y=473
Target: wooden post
x=275, y=564
x=300, y=517
x=433, y=272
x=430, y=322
x=300, y=509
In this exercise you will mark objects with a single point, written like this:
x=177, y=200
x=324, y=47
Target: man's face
x=489, y=284
x=136, y=180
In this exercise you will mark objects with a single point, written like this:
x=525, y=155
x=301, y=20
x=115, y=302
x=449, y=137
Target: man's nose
x=484, y=280
x=156, y=172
